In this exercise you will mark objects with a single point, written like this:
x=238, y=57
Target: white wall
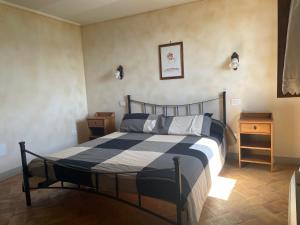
x=211, y=31
x=42, y=85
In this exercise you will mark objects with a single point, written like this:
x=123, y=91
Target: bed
x=171, y=167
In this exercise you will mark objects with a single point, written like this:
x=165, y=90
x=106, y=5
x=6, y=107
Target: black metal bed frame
x=47, y=184
x=186, y=107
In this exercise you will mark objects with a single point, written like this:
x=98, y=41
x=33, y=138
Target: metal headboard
x=185, y=108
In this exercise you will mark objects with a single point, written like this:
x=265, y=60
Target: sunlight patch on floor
x=221, y=188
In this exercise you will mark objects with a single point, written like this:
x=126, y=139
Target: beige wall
x=42, y=85
x=211, y=31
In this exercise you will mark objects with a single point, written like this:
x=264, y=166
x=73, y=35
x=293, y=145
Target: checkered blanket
x=201, y=158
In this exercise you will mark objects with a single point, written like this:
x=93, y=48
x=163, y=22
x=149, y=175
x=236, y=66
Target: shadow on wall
x=225, y=64
x=107, y=76
x=231, y=141
x=83, y=132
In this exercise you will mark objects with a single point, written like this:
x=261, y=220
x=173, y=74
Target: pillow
x=217, y=130
x=186, y=125
x=208, y=114
x=140, y=123
x=158, y=124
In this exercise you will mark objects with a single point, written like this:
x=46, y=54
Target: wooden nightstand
x=256, y=138
x=101, y=124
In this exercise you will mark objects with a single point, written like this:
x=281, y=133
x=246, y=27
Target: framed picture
x=171, y=61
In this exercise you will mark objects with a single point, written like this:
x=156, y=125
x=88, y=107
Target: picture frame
x=171, y=64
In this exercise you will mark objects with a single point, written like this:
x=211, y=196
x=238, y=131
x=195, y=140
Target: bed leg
x=178, y=190
x=26, y=187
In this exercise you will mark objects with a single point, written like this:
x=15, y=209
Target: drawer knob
x=254, y=127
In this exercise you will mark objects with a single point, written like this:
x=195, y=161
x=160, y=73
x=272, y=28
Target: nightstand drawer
x=96, y=123
x=261, y=128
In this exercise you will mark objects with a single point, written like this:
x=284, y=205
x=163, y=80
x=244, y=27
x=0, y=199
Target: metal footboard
x=96, y=189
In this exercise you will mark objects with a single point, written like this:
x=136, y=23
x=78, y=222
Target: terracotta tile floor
x=258, y=197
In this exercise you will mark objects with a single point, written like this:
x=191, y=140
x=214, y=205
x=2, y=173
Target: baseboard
x=10, y=173
x=277, y=159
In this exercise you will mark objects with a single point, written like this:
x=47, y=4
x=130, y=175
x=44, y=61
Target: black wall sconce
x=235, y=61
x=119, y=73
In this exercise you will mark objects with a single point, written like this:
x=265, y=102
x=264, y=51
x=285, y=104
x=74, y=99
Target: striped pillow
x=140, y=122
x=197, y=125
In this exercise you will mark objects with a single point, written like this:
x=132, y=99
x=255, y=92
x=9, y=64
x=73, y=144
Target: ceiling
x=91, y=11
